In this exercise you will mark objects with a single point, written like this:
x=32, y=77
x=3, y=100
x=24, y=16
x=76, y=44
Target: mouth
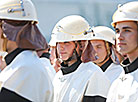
x=62, y=53
x=121, y=44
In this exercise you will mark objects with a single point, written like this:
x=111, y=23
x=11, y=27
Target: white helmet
x=71, y=28
x=52, y=41
x=103, y=33
x=18, y=10
x=127, y=12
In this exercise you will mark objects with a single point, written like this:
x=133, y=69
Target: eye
x=127, y=30
x=117, y=31
x=99, y=46
x=66, y=43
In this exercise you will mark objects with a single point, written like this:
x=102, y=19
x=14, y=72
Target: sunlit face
x=65, y=49
x=126, y=36
x=100, y=49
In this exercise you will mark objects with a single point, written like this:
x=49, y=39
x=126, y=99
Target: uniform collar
x=46, y=55
x=130, y=67
x=69, y=69
x=10, y=57
x=106, y=65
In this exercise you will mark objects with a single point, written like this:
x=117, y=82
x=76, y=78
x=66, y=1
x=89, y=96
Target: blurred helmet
x=18, y=10
x=71, y=28
x=126, y=12
x=103, y=33
x=52, y=41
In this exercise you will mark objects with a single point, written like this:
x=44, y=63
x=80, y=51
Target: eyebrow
x=127, y=27
x=100, y=45
x=67, y=42
x=97, y=44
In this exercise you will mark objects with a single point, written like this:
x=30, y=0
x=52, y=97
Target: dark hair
x=136, y=24
x=110, y=44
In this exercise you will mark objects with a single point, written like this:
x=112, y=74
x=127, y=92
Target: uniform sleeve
x=49, y=67
x=28, y=83
x=94, y=99
x=97, y=88
x=10, y=96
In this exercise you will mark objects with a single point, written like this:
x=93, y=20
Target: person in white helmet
x=125, y=22
x=79, y=79
x=53, y=54
x=45, y=58
x=24, y=79
x=103, y=41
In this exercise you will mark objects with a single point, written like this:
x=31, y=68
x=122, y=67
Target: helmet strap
x=74, y=56
x=108, y=53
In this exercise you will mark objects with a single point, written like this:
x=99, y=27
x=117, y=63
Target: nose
x=60, y=46
x=120, y=36
x=94, y=47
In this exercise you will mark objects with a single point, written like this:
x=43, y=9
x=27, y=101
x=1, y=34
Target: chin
x=63, y=58
x=95, y=62
x=123, y=52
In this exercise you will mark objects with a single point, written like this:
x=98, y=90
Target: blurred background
x=97, y=12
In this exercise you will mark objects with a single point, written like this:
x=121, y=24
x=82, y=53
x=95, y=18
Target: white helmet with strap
x=103, y=33
x=106, y=34
x=126, y=12
x=18, y=10
x=71, y=28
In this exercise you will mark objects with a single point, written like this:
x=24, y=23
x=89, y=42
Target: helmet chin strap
x=102, y=62
x=74, y=56
x=108, y=53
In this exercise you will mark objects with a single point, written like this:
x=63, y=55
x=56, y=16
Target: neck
x=100, y=64
x=71, y=62
x=132, y=56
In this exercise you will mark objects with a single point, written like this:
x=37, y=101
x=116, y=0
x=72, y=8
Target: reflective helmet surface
x=52, y=41
x=126, y=12
x=18, y=10
x=71, y=28
x=103, y=33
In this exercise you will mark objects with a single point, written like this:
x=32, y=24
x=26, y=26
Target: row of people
x=120, y=72
x=85, y=60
